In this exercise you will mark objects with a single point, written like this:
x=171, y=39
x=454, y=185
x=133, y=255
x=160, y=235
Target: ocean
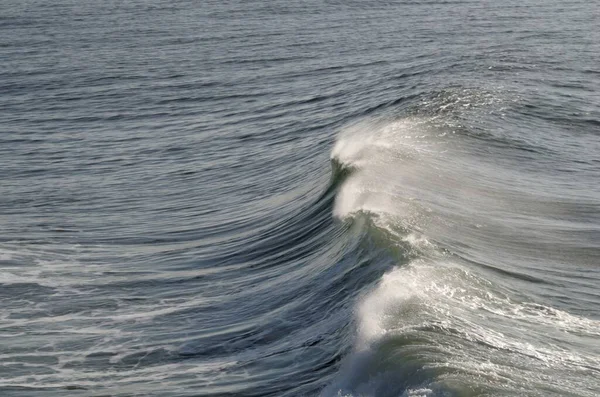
x=300, y=198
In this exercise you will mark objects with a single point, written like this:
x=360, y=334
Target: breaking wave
x=441, y=323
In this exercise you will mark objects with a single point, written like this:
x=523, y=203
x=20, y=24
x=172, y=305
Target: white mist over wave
x=383, y=156
x=369, y=141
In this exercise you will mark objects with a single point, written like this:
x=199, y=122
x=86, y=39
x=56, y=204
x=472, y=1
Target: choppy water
x=289, y=198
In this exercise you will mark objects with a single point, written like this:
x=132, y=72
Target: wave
x=441, y=324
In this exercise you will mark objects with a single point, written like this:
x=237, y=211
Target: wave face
x=300, y=198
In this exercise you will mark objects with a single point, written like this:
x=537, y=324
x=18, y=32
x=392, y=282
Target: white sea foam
x=465, y=326
x=5, y=255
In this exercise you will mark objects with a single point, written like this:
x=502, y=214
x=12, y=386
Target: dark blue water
x=299, y=198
